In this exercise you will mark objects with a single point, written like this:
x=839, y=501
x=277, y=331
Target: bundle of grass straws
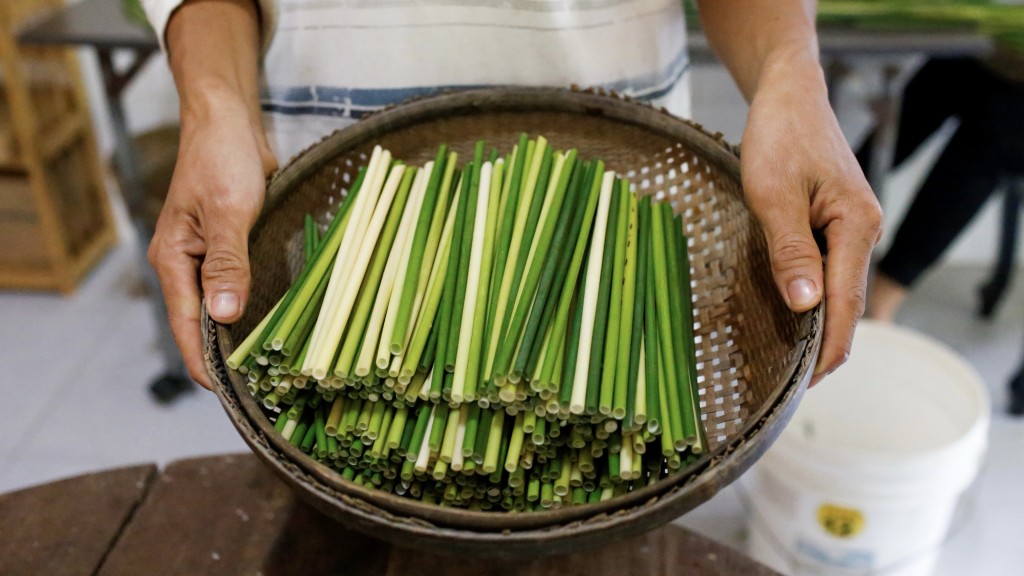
x=516, y=334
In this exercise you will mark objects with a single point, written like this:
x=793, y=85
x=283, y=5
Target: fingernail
x=802, y=292
x=225, y=305
x=827, y=370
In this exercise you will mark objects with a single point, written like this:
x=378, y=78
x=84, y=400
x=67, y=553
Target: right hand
x=202, y=235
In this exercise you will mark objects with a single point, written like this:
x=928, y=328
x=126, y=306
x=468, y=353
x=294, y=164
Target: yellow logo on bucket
x=839, y=521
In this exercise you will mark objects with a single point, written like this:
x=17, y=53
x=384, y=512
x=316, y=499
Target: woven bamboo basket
x=754, y=356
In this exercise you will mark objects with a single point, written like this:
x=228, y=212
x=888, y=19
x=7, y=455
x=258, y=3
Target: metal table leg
x=175, y=379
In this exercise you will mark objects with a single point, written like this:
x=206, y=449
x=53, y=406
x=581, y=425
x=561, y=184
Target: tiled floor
x=75, y=370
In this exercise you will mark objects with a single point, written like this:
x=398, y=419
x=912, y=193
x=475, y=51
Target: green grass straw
x=636, y=401
x=552, y=278
x=597, y=346
x=698, y=439
x=591, y=191
x=652, y=340
x=591, y=291
x=428, y=312
x=532, y=201
x=304, y=326
x=611, y=343
x=384, y=355
x=510, y=238
x=665, y=321
x=482, y=436
x=548, y=220
x=241, y=356
x=625, y=381
x=419, y=244
x=426, y=275
x=473, y=300
x=462, y=239
x=477, y=342
x=309, y=227
x=509, y=204
x=668, y=438
x=368, y=297
x=286, y=315
x=515, y=444
x=348, y=272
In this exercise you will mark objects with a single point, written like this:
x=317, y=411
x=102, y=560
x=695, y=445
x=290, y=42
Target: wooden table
x=230, y=515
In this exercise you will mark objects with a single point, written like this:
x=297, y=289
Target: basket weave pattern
x=753, y=354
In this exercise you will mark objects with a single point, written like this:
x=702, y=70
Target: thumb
x=225, y=271
x=795, y=258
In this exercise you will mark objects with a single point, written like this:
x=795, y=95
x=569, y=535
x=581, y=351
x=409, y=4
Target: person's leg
x=964, y=176
x=931, y=97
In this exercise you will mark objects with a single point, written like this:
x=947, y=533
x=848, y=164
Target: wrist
x=793, y=65
x=208, y=99
x=788, y=72
x=212, y=51
x=212, y=105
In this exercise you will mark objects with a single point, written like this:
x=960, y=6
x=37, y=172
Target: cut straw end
x=507, y=394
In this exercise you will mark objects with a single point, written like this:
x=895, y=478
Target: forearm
x=213, y=49
x=754, y=39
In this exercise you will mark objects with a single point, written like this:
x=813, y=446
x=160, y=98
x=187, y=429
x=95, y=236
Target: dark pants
x=987, y=147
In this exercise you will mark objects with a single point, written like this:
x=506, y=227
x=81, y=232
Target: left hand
x=799, y=175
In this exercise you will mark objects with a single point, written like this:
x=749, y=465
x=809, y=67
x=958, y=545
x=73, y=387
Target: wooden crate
x=55, y=217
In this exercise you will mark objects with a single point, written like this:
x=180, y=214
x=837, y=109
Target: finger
x=225, y=269
x=177, y=272
x=795, y=257
x=850, y=242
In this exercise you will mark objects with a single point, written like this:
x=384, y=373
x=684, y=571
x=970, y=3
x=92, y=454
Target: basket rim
x=502, y=540
x=481, y=101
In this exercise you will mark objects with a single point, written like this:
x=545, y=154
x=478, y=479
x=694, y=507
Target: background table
x=230, y=515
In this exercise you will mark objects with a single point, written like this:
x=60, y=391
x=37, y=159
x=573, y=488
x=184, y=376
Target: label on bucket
x=840, y=521
x=816, y=558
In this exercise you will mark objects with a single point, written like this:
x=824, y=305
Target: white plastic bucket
x=867, y=476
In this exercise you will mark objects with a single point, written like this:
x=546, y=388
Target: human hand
x=202, y=234
x=799, y=175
